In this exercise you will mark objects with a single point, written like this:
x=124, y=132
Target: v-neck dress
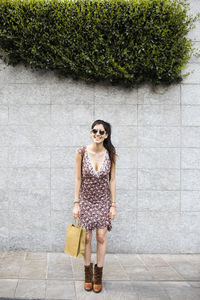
x=95, y=197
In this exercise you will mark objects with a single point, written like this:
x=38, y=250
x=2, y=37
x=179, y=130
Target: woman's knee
x=88, y=237
x=101, y=238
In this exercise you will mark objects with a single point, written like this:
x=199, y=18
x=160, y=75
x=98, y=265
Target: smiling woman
x=95, y=196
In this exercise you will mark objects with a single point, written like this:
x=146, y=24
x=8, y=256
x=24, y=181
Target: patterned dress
x=95, y=196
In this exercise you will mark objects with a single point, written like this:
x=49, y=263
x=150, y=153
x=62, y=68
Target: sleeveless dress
x=95, y=197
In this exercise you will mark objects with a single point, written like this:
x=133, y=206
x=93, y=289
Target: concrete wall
x=44, y=118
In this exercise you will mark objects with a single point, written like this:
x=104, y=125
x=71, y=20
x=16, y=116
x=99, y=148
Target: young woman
x=95, y=197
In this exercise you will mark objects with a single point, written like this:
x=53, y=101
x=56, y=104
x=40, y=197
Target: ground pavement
x=55, y=275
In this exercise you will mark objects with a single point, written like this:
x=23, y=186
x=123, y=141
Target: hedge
x=121, y=41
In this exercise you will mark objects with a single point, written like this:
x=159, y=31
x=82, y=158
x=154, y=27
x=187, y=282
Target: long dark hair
x=107, y=142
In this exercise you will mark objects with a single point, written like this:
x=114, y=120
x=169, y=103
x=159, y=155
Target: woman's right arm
x=76, y=208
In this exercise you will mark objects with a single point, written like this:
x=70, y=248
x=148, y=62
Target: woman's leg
x=101, y=245
x=88, y=248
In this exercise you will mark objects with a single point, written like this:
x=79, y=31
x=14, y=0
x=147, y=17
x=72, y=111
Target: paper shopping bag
x=75, y=240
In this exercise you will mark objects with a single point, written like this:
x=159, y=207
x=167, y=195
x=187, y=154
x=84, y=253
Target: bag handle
x=76, y=220
x=83, y=152
x=82, y=155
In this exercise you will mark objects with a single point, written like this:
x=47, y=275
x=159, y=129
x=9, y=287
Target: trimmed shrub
x=121, y=41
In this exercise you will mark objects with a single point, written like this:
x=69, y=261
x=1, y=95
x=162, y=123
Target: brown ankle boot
x=97, y=286
x=88, y=277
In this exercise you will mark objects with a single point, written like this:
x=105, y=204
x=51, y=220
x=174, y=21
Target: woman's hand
x=112, y=212
x=76, y=210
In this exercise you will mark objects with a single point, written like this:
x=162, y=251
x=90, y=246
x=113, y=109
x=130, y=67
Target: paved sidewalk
x=53, y=275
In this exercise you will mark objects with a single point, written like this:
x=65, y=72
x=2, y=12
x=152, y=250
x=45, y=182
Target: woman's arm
x=113, y=190
x=78, y=176
x=76, y=208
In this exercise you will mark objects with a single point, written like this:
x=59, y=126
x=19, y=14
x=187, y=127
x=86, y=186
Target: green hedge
x=120, y=41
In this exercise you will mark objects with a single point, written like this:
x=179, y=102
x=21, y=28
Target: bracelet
x=76, y=201
x=114, y=205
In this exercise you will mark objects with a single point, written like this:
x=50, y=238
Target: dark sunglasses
x=101, y=132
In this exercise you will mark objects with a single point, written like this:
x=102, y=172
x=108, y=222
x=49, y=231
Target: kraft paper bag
x=75, y=240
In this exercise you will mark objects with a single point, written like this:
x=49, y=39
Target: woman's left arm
x=113, y=190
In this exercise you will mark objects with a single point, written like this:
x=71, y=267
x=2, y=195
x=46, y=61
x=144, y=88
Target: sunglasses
x=101, y=132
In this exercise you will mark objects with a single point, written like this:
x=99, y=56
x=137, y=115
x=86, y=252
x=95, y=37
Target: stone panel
x=119, y=114
x=157, y=115
x=150, y=136
x=190, y=201
x=190, y=136
x=190, y=94
x=159, y=158
x=148, y=94
x=158, y=232
x=190, y=232
x=158, y=179
x=158, y=201
x=190, y=158
x=190, y=179
x=114, y=95
x=190, y=115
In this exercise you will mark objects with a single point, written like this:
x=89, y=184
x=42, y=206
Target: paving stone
x=2, y=253
x=169, y=258
x=12, y=253
x=34, y=269
x=59, y=271
x=164, y=273
x=155, y=298
x=153, y=260
x=181, y=291
x=10, y=267
x=138, y=273
x=60, y=289
x=193, y=258
x=114, y=272
x=58, y=258
x=149, y=289
x=78, y=269
x=130, y=259
x=7, y=287
x=187, y=270
x=194, y=283
x=109, y=257
x=81, y=294
x=28, y=288
x=12, y=260
x=120, y=290
x=36, y=256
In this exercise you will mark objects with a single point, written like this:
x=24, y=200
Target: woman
x=95, y=197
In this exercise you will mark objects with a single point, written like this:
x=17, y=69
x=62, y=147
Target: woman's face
x=98, y=133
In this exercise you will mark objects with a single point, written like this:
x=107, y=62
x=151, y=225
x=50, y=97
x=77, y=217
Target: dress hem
x=109, y=228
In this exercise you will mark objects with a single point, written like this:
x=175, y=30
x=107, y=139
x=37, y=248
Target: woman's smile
x=97, y=138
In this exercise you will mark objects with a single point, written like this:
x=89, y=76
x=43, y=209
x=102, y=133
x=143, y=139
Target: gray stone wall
x=44, y=118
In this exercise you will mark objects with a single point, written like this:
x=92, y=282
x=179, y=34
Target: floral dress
x=95, y=197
